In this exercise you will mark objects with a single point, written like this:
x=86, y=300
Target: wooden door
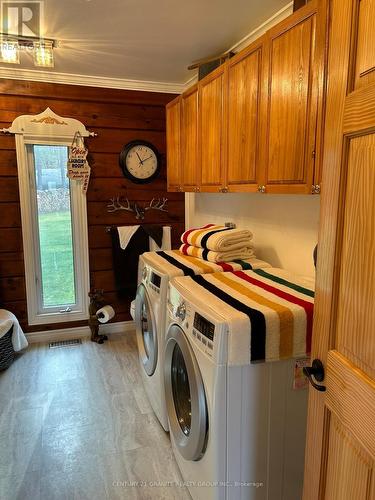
x=244, y=97
x=212, y=129
x=173, y=123
x=292, y=103
x=340, y=451
x=189, y=139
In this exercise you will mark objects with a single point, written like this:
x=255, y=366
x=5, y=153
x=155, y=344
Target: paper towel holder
x=96, y=303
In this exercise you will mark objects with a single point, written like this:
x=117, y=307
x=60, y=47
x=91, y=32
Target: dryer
x=237, y=428
x=155, y=270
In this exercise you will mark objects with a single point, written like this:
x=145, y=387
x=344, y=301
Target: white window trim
x=49, y=128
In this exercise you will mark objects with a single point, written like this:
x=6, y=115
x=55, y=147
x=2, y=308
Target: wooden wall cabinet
x=212, y=130
x=182, y=141
x=189, y=140
x=173, y=126
x=244, y=158
x=290, y=108
x=255, y=123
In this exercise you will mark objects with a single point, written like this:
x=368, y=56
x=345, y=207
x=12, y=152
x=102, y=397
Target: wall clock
x=140, y=161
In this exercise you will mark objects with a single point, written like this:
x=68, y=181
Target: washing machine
x=237, y=427
x=155, y=271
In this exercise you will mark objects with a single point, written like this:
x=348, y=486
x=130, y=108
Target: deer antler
x=115, y=205
x=155, y=204
x=158, y=204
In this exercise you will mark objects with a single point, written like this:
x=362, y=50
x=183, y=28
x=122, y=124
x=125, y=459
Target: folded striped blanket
x=217, y=238
x=245, y=252
x=175, y=263
x=270, y=311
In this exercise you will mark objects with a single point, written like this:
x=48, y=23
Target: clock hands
x=140, y=160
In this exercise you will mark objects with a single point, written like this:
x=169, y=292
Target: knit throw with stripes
x=175, y=263
x=270, y=311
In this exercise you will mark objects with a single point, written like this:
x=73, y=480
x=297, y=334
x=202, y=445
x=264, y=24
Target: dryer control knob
x=144, y=273
x=181, y=311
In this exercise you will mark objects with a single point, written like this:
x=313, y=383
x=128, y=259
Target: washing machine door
x=146, y=331
x=185, y=396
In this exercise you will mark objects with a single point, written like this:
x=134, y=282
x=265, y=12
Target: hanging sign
x=78, y=167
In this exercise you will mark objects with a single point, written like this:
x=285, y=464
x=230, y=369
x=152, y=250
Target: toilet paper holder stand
x=96, y=303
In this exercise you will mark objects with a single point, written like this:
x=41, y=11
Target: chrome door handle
x=316, y=370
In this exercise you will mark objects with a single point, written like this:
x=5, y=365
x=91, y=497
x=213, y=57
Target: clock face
x=139, y=161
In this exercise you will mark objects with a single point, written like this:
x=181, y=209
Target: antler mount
x=116, y=204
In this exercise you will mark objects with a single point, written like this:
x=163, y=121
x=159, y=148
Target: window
x=54, y=220
x=54, y=235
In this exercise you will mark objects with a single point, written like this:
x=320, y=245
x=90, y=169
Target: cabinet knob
x=315, y=189
x=261, y=189
x=224, y=189
x=197, y=189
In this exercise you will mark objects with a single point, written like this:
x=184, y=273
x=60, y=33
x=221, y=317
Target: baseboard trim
x=119, y=327
x=78, y=332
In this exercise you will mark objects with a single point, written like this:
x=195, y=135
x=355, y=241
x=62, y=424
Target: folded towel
x=125, y=234
x=217, y=238
x=125, y=260
x=7, y=319
x=128, y=243
x=154, y=231
x=244, y=252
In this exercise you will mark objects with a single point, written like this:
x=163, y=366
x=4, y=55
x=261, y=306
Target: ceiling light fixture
x=42, y=49
x=9, y=51
x=43, y=53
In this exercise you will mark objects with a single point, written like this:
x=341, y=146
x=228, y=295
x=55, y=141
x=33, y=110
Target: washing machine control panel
x=151, y=279
x=203, y=326
x=155, y=280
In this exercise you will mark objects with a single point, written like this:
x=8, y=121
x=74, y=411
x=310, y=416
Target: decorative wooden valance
x=47, y=124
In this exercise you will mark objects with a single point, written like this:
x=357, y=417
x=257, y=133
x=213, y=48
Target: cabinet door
x=189, y=139
x=244, y=95
x=173, y=112
x=212, y=129
x=291, y=110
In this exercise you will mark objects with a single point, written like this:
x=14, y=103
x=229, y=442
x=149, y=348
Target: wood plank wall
x=118, y=116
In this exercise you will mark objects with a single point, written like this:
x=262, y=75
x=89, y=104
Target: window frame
x=26, y=179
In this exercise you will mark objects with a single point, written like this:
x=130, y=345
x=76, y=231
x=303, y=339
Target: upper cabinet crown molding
x=45, y=124
x=260, y=114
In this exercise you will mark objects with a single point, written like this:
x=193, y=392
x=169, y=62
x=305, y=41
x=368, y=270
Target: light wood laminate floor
x=75, y=423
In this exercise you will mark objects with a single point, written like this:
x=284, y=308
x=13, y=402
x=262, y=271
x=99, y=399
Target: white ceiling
x=149, y=40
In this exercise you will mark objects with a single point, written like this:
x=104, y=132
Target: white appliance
x=166, y=245
x=151, y=322
x=148, y=312
x=237, y=430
